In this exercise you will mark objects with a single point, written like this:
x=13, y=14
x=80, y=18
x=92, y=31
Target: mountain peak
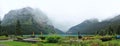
x=93, y=20
x=31, y=20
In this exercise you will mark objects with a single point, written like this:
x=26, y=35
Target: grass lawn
x=14, y=43
x=50, y=44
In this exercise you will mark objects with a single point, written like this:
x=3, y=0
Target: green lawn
x=113, y=42
x=14, y=43
x=50, y=44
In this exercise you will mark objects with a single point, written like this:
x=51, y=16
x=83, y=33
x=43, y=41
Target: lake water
x=60, y=35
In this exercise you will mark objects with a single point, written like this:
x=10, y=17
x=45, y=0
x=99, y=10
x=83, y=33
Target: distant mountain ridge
x=92, y=26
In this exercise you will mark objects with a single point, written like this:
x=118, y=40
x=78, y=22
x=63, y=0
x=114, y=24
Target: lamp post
x=33, y=35
x=41, y=33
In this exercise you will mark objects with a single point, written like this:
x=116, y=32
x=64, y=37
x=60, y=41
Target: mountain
x=59, y=31
x=31, y=20
x=93, y=26
x=84, y=26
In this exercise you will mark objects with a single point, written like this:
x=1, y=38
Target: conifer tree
x=18, y=28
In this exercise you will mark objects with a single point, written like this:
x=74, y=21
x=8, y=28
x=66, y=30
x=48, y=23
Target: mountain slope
x=31, y=20
x=92, y=28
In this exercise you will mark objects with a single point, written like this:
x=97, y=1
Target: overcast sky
x=66, y=13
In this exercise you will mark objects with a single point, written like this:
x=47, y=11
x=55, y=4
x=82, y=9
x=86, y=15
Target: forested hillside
x=30, y=20
x=93, y=26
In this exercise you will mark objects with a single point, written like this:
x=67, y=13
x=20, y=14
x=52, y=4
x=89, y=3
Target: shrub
x=53, y=39
x=42, y=38
x=106, y=38
x=97, y=37
x=94, y=42
x=19, y=38
x=3, y=38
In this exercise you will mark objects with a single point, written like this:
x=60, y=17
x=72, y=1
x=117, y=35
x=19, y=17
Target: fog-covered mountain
x=92, y=26
x=31, y=20
x=84, y=26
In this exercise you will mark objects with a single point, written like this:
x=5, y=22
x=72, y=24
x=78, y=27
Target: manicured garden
x=84, y=43
x=55, y=40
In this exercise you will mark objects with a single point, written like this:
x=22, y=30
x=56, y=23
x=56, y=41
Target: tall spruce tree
x=18, y=28
x=0, y=28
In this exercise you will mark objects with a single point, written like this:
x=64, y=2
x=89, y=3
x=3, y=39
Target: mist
x=64, y=14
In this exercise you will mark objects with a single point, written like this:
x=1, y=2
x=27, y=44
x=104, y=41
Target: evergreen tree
x=18, y=28
x=111, y=31
x=118, y=30
x=0, y=28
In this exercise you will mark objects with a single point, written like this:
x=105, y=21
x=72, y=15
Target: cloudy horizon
x=66, y=13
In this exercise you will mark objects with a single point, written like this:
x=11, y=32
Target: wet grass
x=83, y=43
x=14, y=43
x=88, y=41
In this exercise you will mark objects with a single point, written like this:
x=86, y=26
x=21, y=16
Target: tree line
x=18, y=29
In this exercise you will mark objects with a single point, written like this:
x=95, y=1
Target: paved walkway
x=2, y=45
x=6, y=40
x=30, y=39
